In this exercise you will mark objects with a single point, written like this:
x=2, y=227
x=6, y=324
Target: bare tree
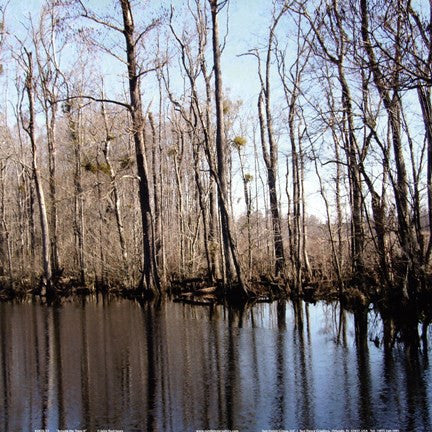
x=291, y=82
x=335, y=52
x=44, y=40
x=149, y=282
x=269, y=143
x=232, y=266
x=115, y=192
x=389, y=92
x=29, y=127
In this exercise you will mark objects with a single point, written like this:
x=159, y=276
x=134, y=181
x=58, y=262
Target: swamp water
x=113, y=364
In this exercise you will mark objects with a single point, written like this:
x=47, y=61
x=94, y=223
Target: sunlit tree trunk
x=270, y=150
x=232, y=267
x=246, y=179
x=47, y=287
x=46, y=58
x=156, y=142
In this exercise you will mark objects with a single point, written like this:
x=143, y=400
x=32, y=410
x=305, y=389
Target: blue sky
x=248, y=21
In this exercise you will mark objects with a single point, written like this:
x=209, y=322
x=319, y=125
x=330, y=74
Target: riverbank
x=404, y=316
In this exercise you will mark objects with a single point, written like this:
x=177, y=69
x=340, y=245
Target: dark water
x=101, y=364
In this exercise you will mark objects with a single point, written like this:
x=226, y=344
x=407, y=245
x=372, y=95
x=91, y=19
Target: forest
x=129, y=165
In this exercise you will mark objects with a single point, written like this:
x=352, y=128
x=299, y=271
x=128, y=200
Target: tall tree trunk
x=177, y=157
x=47, y=287
x=424, y=96
x=149, y=282
x=338, y=182
x=271, y=154
x=156, y=142
x=303, y=249
x=31, y=244
x=296, y=223
x=159, y=214
x=116, y=197
x=270, y=159
x=20, y=201
x=102, y=279
x=74, y=133
x=232, y=264
x=296, y=232
x=213, y=219
x=46, y=59
x=350, y=145
x=203, y=210
x=334, y=254
x=411, y=272
x=378, y=201
x=5, y=237
x=25, y=205
x=351, y=151
x=51, y=140
x=246, y=179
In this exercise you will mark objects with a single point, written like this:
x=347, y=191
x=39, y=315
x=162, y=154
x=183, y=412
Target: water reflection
x=103, y=363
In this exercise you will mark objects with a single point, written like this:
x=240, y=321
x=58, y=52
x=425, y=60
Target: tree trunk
x=203, y=210
x=411, y=265
x=334, y=254
x=102, y=279
x=156, y=199
x=271, y=154
x=177, y=158
x=270, y=159
x=116, y=196
x=51, y=140
x=424, y=96
x=149, y=283
x=47, y=287
x=296, y=232
x=79, y=193
x=232, y=265
x=246, y=179
x=213, y=219
x=351, y=147
x=5, y=237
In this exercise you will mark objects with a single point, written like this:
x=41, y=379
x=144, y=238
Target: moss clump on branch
x=248, y=177
x=97, y=167
x=125, y=162
x=239, y=142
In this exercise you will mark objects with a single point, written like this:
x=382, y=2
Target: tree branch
x=112, y=101
x=98, y=20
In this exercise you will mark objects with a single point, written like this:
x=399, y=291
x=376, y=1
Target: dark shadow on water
x=366, y=412
x=150, y=316
x=4, y=339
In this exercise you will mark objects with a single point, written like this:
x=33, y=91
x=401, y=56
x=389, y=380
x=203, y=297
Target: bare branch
x=97, y=20
x=111, y=101
x=149, y=28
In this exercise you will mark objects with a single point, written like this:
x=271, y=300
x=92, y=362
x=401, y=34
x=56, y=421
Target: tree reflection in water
x=101, y=363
